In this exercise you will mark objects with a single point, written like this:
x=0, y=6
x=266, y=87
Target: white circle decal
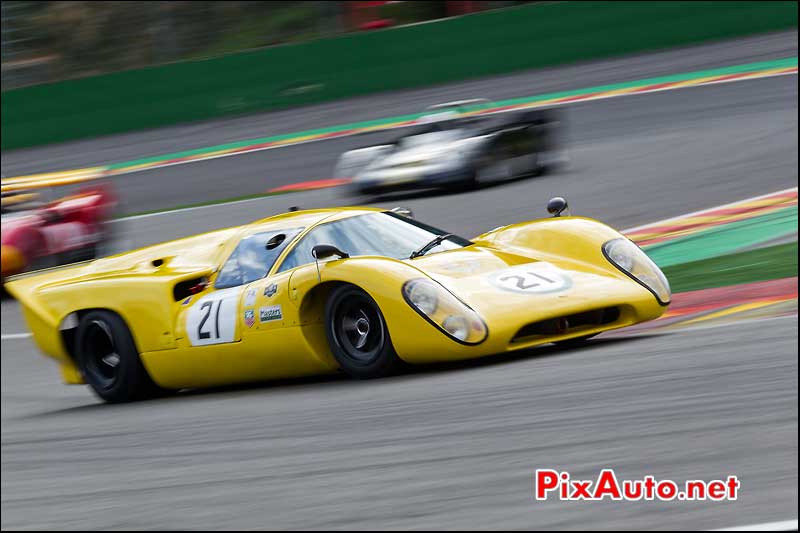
x=532, y=278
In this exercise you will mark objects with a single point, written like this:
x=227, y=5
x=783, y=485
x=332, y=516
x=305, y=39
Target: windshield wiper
x=433, y=243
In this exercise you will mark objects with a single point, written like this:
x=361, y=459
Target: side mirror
x=324, y=251
x=403, y=211
x=556, y=205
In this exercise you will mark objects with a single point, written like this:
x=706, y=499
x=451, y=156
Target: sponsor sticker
x=270, y=314
x=532, y=278
x=250, y=297
x=270, y=290
x=249, y=318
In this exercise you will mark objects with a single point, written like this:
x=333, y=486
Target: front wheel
x=357, y=334
x=109, y=361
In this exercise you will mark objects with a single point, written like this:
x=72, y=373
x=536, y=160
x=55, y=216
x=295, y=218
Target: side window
x=352, y=234
x=253, y=257
x=301, y=254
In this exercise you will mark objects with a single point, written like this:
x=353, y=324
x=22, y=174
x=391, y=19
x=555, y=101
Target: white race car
x=456, y=144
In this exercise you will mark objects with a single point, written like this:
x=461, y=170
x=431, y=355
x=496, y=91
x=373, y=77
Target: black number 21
x=521, y=281
x=207, y=306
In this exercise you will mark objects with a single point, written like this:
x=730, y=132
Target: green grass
x=763, y=264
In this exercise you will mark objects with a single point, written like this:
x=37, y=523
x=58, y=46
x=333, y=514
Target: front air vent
x=187, y=288
x=567, y=324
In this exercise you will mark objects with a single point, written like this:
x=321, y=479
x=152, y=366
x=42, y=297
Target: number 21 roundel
x=212, y=319
x=532, y=278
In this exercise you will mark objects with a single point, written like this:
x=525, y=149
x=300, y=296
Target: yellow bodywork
x=139, y=286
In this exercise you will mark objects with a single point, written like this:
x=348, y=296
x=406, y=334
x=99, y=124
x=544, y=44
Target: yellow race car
x=355, y=289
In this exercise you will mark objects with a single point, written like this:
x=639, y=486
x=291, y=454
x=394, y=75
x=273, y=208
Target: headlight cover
x=422, y=296
x=630, y=259
x=441, y=308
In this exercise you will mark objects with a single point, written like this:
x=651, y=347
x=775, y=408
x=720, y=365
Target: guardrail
x=484, y=44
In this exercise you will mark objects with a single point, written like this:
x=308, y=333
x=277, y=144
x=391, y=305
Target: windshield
x=383, y=234
x=253, y=257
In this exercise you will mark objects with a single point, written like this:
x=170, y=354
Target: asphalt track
x=453, y=446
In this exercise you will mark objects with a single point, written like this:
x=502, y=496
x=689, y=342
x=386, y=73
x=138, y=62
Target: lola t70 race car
x=456, y=144
x=307, y=292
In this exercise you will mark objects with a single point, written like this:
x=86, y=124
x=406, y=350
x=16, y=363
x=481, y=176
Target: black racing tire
x=474, y=182
x=533, y=168
x=576, y=342
x=91, y=252
x=469, y=183
x=86, y=253
x=357, y=334
x=108, y=360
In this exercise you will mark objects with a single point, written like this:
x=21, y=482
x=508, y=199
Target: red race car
x=66, y=230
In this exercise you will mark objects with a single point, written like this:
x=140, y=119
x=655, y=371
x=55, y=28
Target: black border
x=437, y=326
x=634, y=278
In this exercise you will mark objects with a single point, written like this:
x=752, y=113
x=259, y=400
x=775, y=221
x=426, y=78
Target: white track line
x=785, y=525
x=193, y=208
x=13, y=336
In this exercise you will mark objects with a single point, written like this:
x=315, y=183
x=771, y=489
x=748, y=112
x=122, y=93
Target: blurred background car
x=455, y=146
x=38, y=234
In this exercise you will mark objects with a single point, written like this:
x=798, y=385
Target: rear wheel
x=108, y=360
x=357, y=334
x=500, y=170
x=527, y=166
x=89, y=253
